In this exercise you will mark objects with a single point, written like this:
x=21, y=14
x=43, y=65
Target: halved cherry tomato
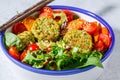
x=47, y=9
x=97, y=32
x=33, y=47
x=91, y=27
x=99, y=46
x=45, y=14
x=28, y=22
x=106, y=39
x=22, y=56
x=18, y=28
x=13, y=52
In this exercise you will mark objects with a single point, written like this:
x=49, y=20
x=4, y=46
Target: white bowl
x=25, y=72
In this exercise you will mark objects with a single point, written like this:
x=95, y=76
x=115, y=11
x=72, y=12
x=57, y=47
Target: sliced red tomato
x=22, y=56
x=45, y=14
x=33, y=47
x=90, y=27
x=18, y=28
x=13, y=52
x=97, y=32
x=99, y=46
x=47, y=9
x=106, y=39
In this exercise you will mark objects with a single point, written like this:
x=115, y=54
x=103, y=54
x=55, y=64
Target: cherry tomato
x=47, y=9
x=33, y=47
x=106, y=39
x=45, y=14
x=22, y=56
x=91, y=27
x=99, y=46
x=13, y=52
x=18, y=28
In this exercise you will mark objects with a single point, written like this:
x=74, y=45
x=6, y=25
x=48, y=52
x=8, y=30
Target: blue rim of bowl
x=64, y=72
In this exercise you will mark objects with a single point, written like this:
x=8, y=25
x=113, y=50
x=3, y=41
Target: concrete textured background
x=107, y=9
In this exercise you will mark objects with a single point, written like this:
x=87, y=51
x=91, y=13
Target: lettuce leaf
x=93, y=59
x=61, y=59
x=11, y=39
x=32, y=60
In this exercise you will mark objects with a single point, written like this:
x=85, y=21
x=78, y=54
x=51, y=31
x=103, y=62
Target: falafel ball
x=26, y=37
x=79, y=38
x=45, y=28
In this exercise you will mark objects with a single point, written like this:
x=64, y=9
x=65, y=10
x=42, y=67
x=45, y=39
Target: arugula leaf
x=93, y=59
x=11, y=39
x=51, y=66
x=29, y=58
x=61, y=59
x=64, y=63
x=57, y=51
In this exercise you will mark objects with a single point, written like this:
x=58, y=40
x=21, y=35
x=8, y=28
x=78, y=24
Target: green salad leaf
x=93, y=59
x=33, y=59
x=61, y=59
x=11, y=39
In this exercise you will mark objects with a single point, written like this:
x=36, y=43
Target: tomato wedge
x=18, y=28
x=47, y=9
x=13, y=52
x=99, y=46
x=97, y=32
x=90, y=27
x=46, y=12
x=106, y=39
x=22, y=56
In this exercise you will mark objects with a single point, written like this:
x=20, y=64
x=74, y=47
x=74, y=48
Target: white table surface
x=107, y=9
